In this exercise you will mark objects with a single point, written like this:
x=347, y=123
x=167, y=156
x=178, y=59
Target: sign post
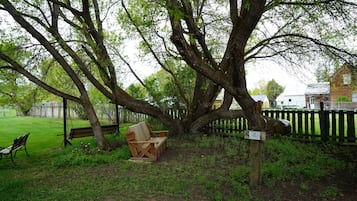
x=255, y=154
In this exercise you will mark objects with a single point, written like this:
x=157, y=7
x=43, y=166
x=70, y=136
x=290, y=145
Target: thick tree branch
x=200, y=37
x=27, y=26
x=180, y=89
x=18, y=68
x=189, y=55
x=55, y=12
x=67, y=6
x=275, y=3
x=97, y=16
x=265, y=43
x=233, y=10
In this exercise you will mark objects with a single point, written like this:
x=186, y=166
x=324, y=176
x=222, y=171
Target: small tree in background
x=273, y=90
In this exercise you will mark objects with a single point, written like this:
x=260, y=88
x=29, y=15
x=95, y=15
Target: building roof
x=318, y=88
x=260, y=97
x=344, y=66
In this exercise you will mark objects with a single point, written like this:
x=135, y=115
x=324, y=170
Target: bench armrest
x=143, y=142
x=162, y=133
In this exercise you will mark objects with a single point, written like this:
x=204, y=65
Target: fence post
x=333, y=125
x=299, y=113
x=312, y=119
x=351, y=136
x=323, y=123
x=293, y=123
x=306, y=126
x=341, y=126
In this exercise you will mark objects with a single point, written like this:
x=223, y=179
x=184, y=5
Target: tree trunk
x=95, y=124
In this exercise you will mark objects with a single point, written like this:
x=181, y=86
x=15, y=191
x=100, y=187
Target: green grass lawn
x=194, y=167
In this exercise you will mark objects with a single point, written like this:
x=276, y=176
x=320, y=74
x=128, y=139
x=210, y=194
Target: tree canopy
x=215, y=41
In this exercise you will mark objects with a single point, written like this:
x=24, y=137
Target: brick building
x=343, y=87
x=343, y=84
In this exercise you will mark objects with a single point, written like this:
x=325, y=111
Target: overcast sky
x=294, y=80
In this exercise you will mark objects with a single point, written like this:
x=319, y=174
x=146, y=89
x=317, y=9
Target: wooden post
x=312, y=119
x=117, y=118
x=65, y=141
x=256, y=152
x=334, y=126
x=341, y=126
x=299, y=115
x=255, y=155
x=324, y=127
x=351, y=127
x=306, y=126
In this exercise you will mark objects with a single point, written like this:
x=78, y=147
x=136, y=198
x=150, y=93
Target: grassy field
x=194, y=167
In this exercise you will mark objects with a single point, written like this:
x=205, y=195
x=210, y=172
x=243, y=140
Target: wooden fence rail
x=326, y=125
x=334, y=126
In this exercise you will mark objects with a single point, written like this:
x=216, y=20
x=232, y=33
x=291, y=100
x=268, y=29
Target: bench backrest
x=88, y=131
x=20, y=141
x=141, y=131
x=145, y=129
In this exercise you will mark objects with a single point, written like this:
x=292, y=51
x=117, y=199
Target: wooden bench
x=87, y=131
x=144, y=143
x=19, y=143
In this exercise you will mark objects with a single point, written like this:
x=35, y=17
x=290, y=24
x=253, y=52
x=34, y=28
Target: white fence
x=104, y=112
x=50, y=109
x=348, y=106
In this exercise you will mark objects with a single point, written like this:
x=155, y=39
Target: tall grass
x=289, y=160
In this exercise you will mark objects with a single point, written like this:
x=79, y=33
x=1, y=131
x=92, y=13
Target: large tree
x=217, y=39
x=291, y=30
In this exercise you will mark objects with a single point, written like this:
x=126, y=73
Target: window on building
x=312, y=100
x=354, y=97
x=347, y=79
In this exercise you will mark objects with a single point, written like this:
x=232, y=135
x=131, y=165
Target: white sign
x=255, y=135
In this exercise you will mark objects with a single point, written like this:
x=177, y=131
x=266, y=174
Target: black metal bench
x=19, y=143
x=87, y=131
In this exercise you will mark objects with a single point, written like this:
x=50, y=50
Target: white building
x=291, y=101
x=236, y=106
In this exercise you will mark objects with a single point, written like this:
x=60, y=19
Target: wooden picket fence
x=325, y=125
